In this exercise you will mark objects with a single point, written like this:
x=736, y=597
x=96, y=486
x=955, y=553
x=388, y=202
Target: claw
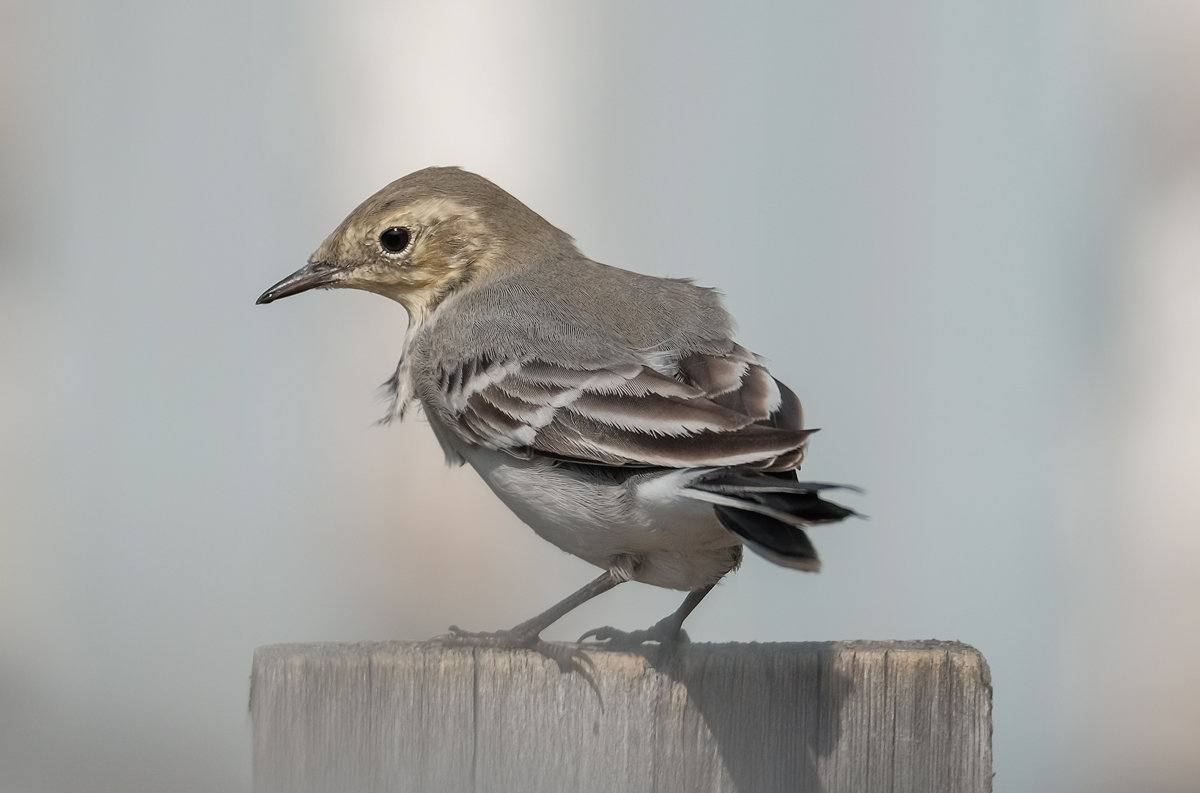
x=609, y=637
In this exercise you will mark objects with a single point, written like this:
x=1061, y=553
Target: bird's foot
x=667, y=634
x=514, y=639
x=568, y=657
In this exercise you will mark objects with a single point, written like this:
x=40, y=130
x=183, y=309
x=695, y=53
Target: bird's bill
x=314, y=275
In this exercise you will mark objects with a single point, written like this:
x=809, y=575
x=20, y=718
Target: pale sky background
x=967, y=234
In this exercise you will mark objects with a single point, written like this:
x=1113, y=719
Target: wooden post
x=752, y=718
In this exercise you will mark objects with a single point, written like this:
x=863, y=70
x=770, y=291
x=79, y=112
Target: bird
x=611, y=411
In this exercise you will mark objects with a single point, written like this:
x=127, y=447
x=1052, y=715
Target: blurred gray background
x=966, y=233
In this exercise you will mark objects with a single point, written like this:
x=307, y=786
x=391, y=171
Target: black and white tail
x=770, y=511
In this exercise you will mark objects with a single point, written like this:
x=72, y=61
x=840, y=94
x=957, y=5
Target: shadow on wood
x=836, y=716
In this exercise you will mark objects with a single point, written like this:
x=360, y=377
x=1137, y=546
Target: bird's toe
x=508, y=640
x=614, y=638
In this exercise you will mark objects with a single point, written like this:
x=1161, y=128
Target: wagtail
x=611, y=411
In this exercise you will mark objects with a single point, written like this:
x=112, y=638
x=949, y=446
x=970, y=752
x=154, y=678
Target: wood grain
x=829, y=716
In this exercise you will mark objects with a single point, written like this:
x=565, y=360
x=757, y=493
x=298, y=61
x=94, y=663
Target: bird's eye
x=394, y=240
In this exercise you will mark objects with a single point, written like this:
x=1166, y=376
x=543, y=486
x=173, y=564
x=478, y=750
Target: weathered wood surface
x=835, y=716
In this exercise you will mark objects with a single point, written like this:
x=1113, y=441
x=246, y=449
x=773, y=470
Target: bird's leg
x=667, y=631
x=528, y=633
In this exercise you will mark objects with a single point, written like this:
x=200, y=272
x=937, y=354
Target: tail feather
x=778, y=542
x=770, y=512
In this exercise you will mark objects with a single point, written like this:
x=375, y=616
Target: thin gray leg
x=528, y=633
x=668, y=630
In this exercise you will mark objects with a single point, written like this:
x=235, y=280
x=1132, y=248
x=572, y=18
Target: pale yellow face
x=414, y=252
x=425, y=235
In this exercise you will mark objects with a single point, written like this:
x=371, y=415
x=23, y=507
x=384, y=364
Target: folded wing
x=699, y=410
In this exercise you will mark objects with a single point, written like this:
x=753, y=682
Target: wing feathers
x=658, y=415
x=498, y=429
x=710, y=410
x=716, y=375
x=753, y=445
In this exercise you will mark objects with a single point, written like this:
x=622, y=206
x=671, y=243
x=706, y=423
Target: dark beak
x=314, y=275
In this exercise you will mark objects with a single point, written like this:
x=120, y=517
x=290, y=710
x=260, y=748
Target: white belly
x=678, y=541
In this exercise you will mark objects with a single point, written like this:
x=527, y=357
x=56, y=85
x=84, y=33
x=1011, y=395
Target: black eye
x=394, y=239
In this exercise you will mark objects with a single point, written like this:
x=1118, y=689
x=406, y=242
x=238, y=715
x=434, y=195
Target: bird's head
x=422, y=237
